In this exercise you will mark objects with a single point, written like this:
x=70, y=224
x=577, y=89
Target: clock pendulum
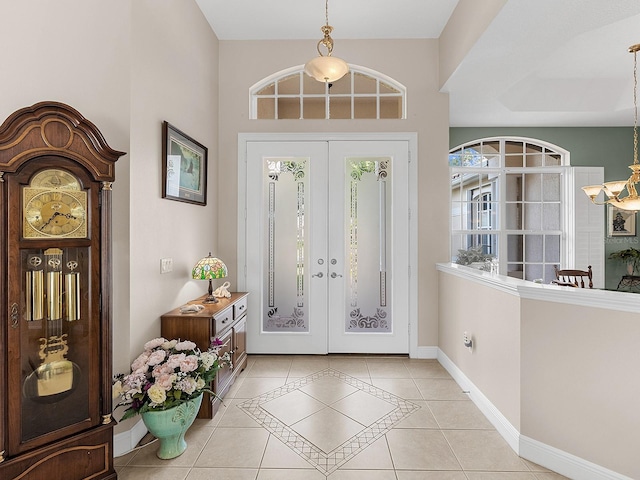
x=55, y=375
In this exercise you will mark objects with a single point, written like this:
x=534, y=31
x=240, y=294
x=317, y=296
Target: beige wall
x=579, y=382
x=126, y=66
x=410, y=62
x=174, y=77
x=562, y=374
x=491, y=318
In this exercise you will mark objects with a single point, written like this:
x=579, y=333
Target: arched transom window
x=361, y=93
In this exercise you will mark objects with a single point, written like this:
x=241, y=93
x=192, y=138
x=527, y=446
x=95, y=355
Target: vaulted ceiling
x=539, y=62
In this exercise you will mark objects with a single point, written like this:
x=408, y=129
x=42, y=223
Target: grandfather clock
x=56, y=171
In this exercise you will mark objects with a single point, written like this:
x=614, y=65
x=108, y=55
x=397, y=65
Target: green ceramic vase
x=169, y=427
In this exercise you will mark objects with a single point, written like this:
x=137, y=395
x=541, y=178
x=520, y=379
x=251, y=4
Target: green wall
x=610, y=147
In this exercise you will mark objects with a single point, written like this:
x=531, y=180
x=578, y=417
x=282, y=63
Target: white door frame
x=410, y=137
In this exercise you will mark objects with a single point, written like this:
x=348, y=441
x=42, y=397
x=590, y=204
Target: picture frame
x=184, y=167
x=620, y=223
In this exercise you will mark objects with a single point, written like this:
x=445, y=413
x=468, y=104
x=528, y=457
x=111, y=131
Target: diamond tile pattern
x=358, y=427
x=339, y=417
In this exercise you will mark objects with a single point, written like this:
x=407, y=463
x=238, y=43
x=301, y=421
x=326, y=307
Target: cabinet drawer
x=239, y=308
x=222, y=321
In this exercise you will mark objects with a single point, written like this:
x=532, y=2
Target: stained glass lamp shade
x=207, y=269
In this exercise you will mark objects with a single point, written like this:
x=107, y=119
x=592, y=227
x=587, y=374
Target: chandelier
x=613, y=190
x=326, y=68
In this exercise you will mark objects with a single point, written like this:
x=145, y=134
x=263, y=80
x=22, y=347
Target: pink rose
x=189, y=364
x=156, y=357
x=140, y=362
x=185, y=345
x=163, y=369
x=174, y=361
x=156, y=342
x=165, y=381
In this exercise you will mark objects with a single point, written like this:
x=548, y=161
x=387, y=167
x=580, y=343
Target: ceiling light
x=326, y=68
x=614, y=189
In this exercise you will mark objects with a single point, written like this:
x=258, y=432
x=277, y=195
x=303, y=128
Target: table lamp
x=207, y=269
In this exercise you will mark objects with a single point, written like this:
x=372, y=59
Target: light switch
x=166, y=265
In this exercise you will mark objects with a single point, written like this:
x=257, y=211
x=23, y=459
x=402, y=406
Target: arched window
x=361, y=93
x=508, y=198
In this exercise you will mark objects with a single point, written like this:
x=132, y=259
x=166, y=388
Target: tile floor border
x=331, y=461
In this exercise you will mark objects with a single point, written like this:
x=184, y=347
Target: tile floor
x=340, y=418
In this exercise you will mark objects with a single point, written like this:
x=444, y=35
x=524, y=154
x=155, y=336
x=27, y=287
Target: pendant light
x=614, y=189
x=326, y=68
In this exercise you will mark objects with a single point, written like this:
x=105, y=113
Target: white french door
x=327, y=246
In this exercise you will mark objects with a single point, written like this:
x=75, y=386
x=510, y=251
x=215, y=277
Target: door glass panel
x=367, y=234
x=286, y=244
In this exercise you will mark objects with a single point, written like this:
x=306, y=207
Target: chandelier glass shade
x=326, y=68
x=614, y=190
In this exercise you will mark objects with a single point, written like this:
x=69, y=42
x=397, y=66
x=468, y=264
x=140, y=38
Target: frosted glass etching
x=286, y=245
x=367, y=217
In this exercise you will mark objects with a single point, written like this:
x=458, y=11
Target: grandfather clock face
x=54, y=206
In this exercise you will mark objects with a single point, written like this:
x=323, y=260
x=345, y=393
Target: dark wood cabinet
x=56, y=172
x=225, y=320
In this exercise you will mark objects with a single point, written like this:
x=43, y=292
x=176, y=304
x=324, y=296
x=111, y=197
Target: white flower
x=156, y=394
x=117, y=389
x=187, y=385
x=168, y=345
x=207, y=359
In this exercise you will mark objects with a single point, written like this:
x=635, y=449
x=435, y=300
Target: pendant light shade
x=326, y=68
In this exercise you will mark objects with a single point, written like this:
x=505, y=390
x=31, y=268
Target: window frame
x=353, y=96
x=496, y=175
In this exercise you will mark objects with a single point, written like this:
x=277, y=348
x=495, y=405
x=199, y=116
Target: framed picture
x=620, y=223
x=184, y=167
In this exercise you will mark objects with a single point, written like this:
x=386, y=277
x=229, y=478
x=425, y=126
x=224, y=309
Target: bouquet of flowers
x=168, y=373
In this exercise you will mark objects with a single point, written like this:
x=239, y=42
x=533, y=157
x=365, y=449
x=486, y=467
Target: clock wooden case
x=56, y=172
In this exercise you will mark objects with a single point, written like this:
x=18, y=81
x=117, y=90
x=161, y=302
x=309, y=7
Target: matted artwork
x=184, y=167
x=620, y=223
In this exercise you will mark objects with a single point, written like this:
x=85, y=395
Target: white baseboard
x=544, y=455
x=126, y=441
x=499, y=421
x=425, y=352
x=564, y=463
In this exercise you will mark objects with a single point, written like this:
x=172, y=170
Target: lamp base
x=210, y=299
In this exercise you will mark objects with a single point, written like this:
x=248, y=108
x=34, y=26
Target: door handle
x=334, y=275
x=319, y=275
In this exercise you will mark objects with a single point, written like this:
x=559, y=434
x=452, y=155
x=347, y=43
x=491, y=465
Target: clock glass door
x=54, y=306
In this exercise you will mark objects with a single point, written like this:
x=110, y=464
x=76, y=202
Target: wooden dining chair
x=573, y=278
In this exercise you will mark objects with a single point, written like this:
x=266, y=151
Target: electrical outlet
x=468, y=342
x=166, y=265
